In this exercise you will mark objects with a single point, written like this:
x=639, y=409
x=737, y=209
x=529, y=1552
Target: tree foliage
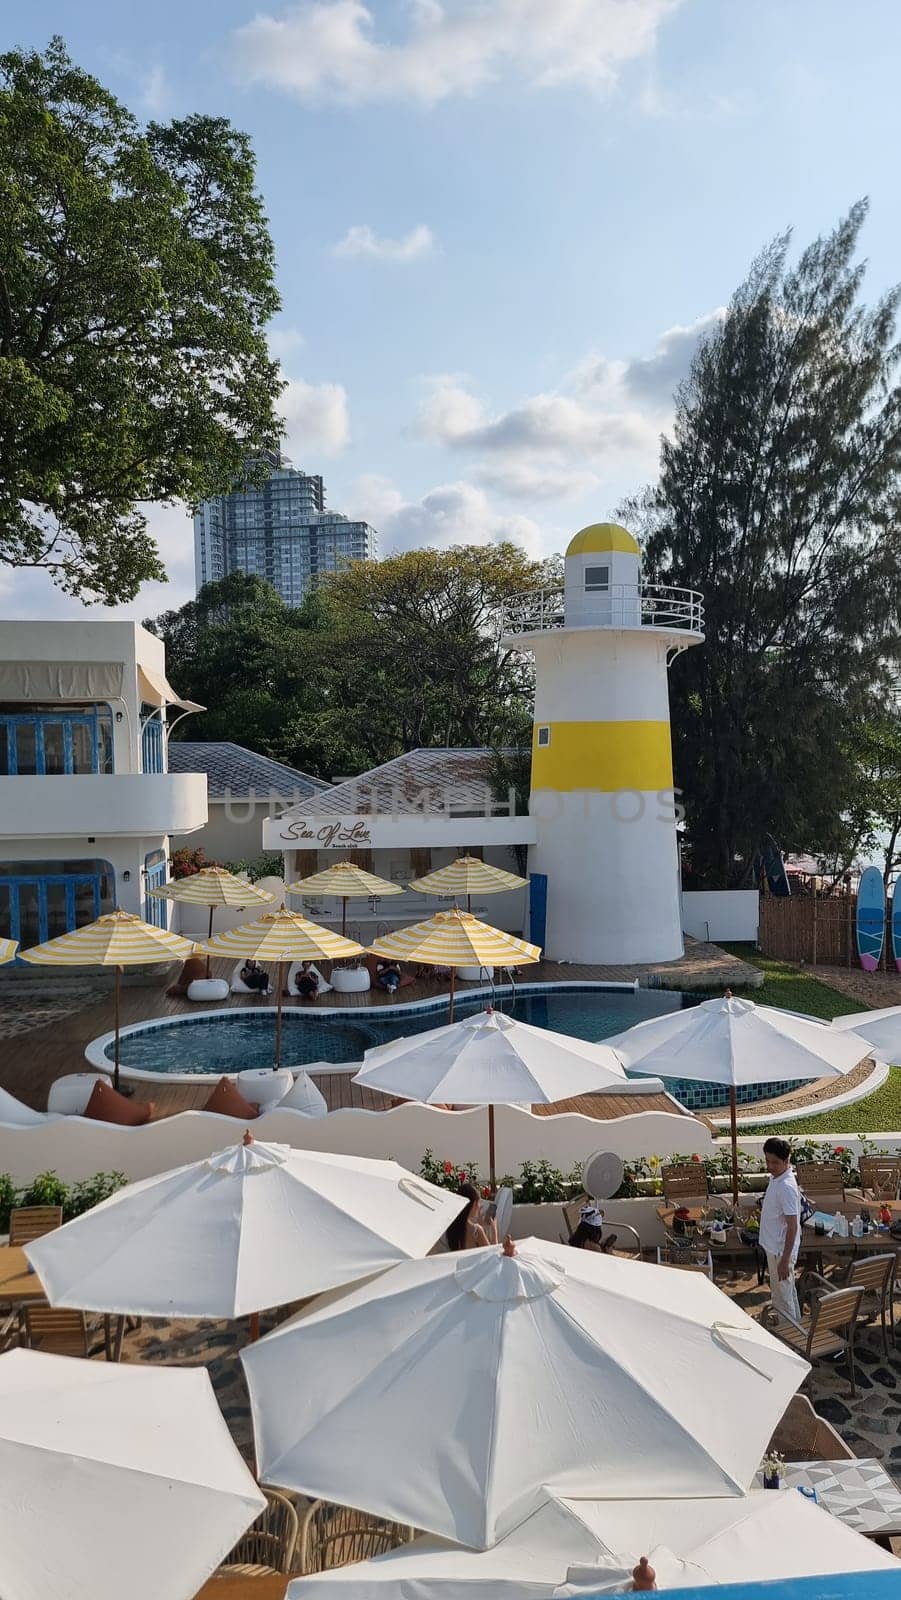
x=136, y=279
x=778, y=496
x=382, y=658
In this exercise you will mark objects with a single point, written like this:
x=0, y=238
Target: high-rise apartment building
x=279, y=530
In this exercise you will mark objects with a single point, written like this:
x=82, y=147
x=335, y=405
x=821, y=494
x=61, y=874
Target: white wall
x=721, y=914
x=116, y=803
x=232, y=832
x=77, y=1148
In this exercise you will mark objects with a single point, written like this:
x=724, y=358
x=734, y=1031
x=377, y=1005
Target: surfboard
x=870, y=918
x=896, y=923
x=774, y=867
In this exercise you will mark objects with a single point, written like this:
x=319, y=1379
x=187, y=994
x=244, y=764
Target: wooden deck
x=31, y=1060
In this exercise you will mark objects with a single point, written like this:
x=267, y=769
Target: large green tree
x=778, y=497
x=136, y=279
x=383, y=657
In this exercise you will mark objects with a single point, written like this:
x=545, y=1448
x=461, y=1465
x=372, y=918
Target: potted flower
x=773, y=1470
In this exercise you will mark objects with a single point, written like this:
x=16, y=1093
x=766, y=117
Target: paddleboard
x=870, y=918
x=774, y=867
x=896, y=923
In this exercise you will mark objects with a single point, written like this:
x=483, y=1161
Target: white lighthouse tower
x=602, y=797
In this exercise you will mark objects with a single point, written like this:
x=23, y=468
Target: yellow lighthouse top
x=600, y=538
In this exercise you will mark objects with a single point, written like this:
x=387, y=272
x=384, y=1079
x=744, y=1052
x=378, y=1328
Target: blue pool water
x=238, y=1039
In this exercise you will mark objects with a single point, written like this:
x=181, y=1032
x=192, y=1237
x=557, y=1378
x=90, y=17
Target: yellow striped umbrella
x=455, y=939
x=468, y=875
x=118, y=940
x=282, y=936
x=8, y=948
x=346, y=881
x=212, y=886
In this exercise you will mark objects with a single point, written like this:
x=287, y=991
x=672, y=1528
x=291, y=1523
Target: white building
x=243, y=789
x=87, y=804
x=400, y=821
x=605, y=859
x=278, y=530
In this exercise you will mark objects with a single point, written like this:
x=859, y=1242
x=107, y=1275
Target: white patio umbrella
x=489, y=1059
x=114, y=1480
x=881, y=1029
x=582, y=1547
x=489, y=1381
x=735, y=1042
x=256, y=1225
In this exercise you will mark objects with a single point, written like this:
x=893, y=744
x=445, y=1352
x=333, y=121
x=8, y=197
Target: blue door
x=537, y=907
x=152, y=745
x=155, y=911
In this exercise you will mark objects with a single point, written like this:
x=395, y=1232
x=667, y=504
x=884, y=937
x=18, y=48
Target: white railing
x=623, y=605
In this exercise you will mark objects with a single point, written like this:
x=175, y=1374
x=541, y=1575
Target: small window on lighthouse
x=597, y=578
x=544, y=738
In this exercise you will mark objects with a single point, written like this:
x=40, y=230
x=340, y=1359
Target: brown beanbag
x=228, y=1100
x=194, y=967
x=107, y=1105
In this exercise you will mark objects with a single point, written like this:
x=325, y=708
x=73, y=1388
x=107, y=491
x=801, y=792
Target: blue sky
x=500, y=224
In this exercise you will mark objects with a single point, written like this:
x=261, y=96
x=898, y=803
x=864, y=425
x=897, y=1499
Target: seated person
x=589, y=1233
x=306, y=982
x=471, y=1230
x=255, y=977
x=387, y=976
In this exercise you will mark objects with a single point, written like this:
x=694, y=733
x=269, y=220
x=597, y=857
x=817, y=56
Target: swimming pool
x=231, y=1041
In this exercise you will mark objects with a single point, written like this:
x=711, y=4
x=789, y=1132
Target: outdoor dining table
x=20, y=1286
x=859, y=1493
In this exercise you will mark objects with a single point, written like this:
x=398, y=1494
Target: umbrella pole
x=116, y=1007
x=209, y=936
x=453, y=982
x=254, y=1326
x=733, y=1118
x=280, y=980
x=492, y=1175
x=344, y=917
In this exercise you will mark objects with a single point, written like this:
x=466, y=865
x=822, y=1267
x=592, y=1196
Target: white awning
x=61, y=680
x=155, y=687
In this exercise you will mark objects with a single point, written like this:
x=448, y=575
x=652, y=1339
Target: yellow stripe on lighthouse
x=604, y=756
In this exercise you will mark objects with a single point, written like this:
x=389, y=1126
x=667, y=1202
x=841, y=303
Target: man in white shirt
x=780, y=1226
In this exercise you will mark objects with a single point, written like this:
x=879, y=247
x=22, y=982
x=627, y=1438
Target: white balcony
x=123, y=805
x=662, y=607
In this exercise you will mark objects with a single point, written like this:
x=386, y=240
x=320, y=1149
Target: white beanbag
x=238, y=986
x=208, y=989
x=350, y=980
x=265, y=1086
x=70, y=1094
x=291, y=981
x=304, y=1097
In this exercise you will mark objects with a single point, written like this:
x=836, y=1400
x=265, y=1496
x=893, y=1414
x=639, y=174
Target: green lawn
x=787, y=986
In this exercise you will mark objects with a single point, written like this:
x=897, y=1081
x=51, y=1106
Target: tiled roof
x=231, y=769
x=430, y=782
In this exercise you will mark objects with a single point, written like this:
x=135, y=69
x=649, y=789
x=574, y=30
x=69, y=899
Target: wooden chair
x=685, y=1184
x=823, y=1183
x=875, y=1275
x=694, y=1260
x=270, y=1542
x=801, y=1435
x=32, y=1222
x=828, y=1329
x=335, y=1536
x=57, y=1330
x=880, y=1178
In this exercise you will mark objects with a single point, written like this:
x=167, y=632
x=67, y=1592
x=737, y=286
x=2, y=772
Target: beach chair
x=828, y=1329
x=32, y=1222
x=801, y=1435
x=875, y=1275
x=335, y=1536
x=685, y=1184
x=270, y=1543
x=880, y=1178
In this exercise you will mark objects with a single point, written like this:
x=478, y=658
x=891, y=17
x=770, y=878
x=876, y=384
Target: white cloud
x=361, y=240
x=154, y=91
x=28, y=592
x=316, y=419
x=544, y=424
x=331, y=48
x=451, y=513
x=652, y=379
x=284, y=342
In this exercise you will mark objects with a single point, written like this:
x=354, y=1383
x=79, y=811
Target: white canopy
x=480, y=1377
x=254, y=1226
x=881, y=1029
x=736, y=1042
x=582, y=1547
x=490, y=1059
x=114, y=1481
